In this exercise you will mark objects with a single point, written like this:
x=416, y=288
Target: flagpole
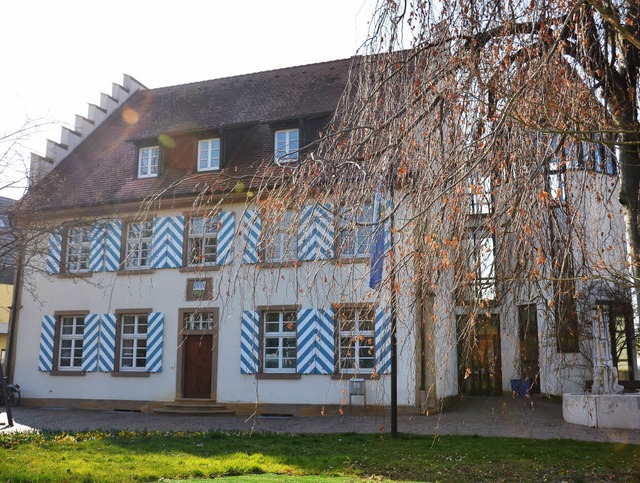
x=375, y=279
x=393, y=303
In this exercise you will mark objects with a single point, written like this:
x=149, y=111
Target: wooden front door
x=479, y=356
x=198, y=354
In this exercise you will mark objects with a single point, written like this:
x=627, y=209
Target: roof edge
x=84, y=125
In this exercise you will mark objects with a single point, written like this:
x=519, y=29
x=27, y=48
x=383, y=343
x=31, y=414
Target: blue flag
x=377, y=244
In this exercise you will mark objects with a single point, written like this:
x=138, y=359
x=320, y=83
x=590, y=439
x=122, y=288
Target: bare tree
x=509, y=132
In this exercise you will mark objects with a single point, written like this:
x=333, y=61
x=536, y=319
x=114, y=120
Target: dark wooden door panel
x=197, y=366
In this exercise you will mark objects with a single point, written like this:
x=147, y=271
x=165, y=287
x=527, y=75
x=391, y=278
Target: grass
x=260, y=457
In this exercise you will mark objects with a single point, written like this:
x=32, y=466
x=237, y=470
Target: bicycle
x=14, y=394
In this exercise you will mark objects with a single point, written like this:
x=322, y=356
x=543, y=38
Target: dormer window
x=209, y=154
x=148, y=161
x=287, y=145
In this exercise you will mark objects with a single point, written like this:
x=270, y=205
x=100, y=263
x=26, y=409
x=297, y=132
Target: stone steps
x=194, y=407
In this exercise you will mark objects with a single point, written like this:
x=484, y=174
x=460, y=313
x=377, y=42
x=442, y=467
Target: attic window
x=286, y=145
x=148, y=161
x=209, y=154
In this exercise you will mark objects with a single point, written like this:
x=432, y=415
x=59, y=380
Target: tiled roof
x=103, y=168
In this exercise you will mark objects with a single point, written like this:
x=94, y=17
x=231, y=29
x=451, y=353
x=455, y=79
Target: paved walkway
x=536, y=418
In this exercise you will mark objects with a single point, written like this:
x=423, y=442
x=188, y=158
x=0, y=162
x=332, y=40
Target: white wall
x=236, y=288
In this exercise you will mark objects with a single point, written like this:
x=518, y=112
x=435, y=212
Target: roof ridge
x=334, y=61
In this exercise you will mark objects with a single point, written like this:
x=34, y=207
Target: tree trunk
x=629, y=159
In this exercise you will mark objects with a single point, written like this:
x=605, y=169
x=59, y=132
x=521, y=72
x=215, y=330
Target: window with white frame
x=148, y=161
x=70, y=343
x=557, y=184
x=133, y=342
x=480, y=192
x=199, y=321
x=287, y=144
x=279, y=341
x=209, y=154
x=356, y=340
x=139, y=245
x=203, y=241
x=482, y=266
x=281, y=241
x=78, y=245
x=355, y=232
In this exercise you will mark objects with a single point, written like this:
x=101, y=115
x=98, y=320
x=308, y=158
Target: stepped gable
x=102, y=169
x=83, y=127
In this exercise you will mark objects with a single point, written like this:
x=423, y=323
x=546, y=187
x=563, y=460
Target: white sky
x=58, y=56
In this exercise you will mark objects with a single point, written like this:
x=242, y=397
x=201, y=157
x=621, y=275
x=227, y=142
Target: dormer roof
x=102, y=169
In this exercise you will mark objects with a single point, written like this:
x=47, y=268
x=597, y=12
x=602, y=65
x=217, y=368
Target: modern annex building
x=153, y=284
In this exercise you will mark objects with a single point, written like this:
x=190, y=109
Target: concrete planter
x=602, y=410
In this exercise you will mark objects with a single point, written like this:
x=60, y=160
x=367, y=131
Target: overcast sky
x=58, y=56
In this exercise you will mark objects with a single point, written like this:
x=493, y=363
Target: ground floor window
x=279, y=341
x=356, y=340
x=618, y=317
x=133, y=342
x=70, y=345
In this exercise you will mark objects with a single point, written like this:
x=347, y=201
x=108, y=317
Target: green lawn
x=129, y=456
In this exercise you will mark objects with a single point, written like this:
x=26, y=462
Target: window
x=203, y=241
x=480, y=191
x=281, y=241
x=199, y=321
x=557, y=186
x=599, y=157
x=482, y=273
x=78, y=243
x=286, y=145
x=356, y=342
x=567, y=330
x=280, y=346
x=139, y=245
x=133, y=342
x=148, y=161
x=355, y=232
x=617, y=317
x=70, y=343
x=209, y=154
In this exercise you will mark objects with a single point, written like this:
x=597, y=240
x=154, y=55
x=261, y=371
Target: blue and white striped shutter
x=47, y=336
x=326, y=232
x=325, y=341
x=252, y=226
x=249, y=342
x=107, y=344
x=55, y=252
x=97, y=248
x=316, y=233
x=90, y=342
x=112, y=246
x=306, y=229
x=225, y=238
x=383, y=340
x=154, y=341
x=306, y=341
x=168, y=237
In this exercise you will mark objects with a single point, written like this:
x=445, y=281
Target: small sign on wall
x=199, y=289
